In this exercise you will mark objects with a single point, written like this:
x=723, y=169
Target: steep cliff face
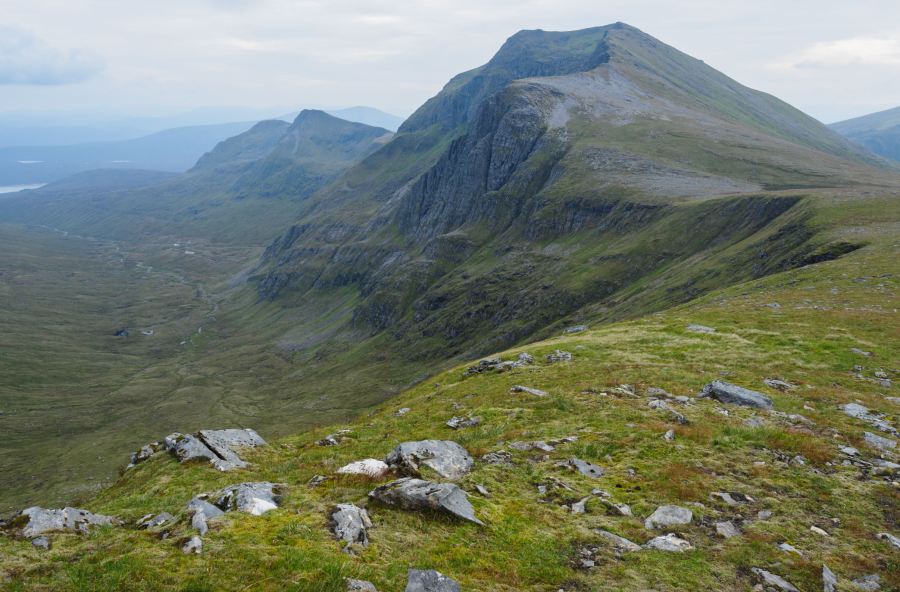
x=553, y=181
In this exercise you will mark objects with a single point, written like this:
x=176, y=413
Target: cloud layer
x=25, y=59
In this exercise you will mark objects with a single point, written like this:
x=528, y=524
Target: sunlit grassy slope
x=530, y=542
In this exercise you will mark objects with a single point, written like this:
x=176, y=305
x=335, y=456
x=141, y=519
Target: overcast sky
x=834, y=59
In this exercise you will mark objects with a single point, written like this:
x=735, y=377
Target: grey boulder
x=558, y=356
x=829, y=580
x=586, y=468
x=428, y=580
x=575, y=329
x=868, y=583
x=153, y=520
x=670, y=542
x=773, y=580
x=619, y=542
x=668, y=516
x=36, y=520
x=461, y=422
x=349, y=524
x=190, y=447
x=727, y=530
x=516, y=388
x=201, y=512
x=447, y=458
x=731, y=394
x=701, y=329
x=223, y=443
x=192, y=545
x=879, y=442
x=417, y=494
x=253, y=498
x=360, y=586
x=889, y=538
x=41, y=543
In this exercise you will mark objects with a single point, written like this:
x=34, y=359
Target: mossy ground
x=530, y=543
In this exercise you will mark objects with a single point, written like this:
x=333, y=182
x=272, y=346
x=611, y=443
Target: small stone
x=732, y=394
x=619, y=542
x=778, y=384
x=525, y=358
x=542, y=446
x=370, y=467
x=700, y=328
x=447, y=458
x=850, y=451
x=669, y=436
x=558, y=356
x=481, y=489
x=586, y=468
x=861, y=352
x=829, y=580
x=670, y=542
x=580, y=506
x=818, y=530
x=764, y=515
x=192, y=545
x=417, y=494
x=788, y=548
x=575, y=329
x=618, y=509
x=360, y=586
x=501, y=457
x=429, y=581
x=462, y=422
x=524, y=389
x=587, y=563
x=727, y=530
x=668, y=516
x=152, y=521
x=41, y=543
x=869, y=583
x=879, y=442
x=889, y=538
x=773, y=580
x=349, y=524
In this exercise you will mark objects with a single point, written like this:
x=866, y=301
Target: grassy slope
x=530, y=544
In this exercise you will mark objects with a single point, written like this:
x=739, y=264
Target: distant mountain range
x=879, y=132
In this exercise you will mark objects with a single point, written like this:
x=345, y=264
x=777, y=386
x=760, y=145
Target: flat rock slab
x=869, y=583
x=875, y=419
x=349, y=524
x=417, y=494
x=889, y=538
x=727, y=530
x=463, y=422
x=447, y=458
x=35, y=520
x=223, y=443
x=360, y=586
x=370, y=466
x=701, y=329
x=153, y=521
x=668, y=516
x=558, y=356
x=190, y=447
x=773, y=580
x=732, y=394
x=517, y=388
x=202, y=511
x=253, y=498
x=619, y=542
x=428, y=580
x=879, y=442
x=829, y=580
x=586, y=468
x=670, y=542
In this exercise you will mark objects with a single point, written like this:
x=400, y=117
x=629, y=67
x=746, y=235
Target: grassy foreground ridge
x=530, y=541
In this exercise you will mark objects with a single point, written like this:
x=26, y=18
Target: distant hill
x=366, y=115
x=100, y=179
x=174, y=150
x=879, y=132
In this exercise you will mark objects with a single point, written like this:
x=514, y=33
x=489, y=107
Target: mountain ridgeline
x=879, y=132
x=585, y=175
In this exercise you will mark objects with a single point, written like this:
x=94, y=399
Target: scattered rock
x=727, y=530
x=788, y=548
x=669, y=542
x=447, y=458
x=520, y=446
x=879, y=442
x=850, y=451
x=657, y=404
x=253, y=498
x=152, y=521
x=778, y=384
x=202, y=511
x=349, y=524
x=617, y=509
x=192, y=545
x=829, y=580
x=215, y=445
x=501, y=457
x=668, y=516
x=732, y=394
x=700, y=328
x=891, y=539
x=333, y=439
x=35, y=520
x=41, y=543
x=876, y=420
x=818, y=530
x=669, y=436
x=580, y=506
x=541, y=445
x=754, y=422
x=860, y=352
x=416, y=494
x=619, y=542
x=360, y=586
x=482, y=490
x=428, y=580
x=524, y=389
x=461, y=422
x=525, y=358
x=585, y=468
x=773, y=580
x=370, y=466
x=764, y=515
x=401, y=412
x=868, y=583
x=732, y=499
x=558, y=356
x=576, y=329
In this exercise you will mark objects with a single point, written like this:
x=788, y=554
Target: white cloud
x=871, y=51
x=25, y=59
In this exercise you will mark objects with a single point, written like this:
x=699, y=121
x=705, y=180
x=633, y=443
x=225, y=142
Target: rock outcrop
x=416, y=494
x=428, y=580
x=35, y=520
x=447, y=458
x=350, y=524
x=217, y=446
x=731, y=394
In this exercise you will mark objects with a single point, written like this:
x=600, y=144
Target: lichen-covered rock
x=670, y=542
x=525, y=358
x=190, y=447
x=35, y=520
x=586, y=468
x=575, y=329
x=524, y=389
x=668, y=516
x=416, y=494
x=558, y=356
x=619, y=542
x=731, y=394
x=153, y=520
x=428, y=580
x=501, y=457
x=41, y=543
x=879, y=442
x=462, y=422
x=360, y=586
x=889, y=538
x=217, y=446
x=350, y=524
x=193, y=545
x=253, y=498
x=773, y=580
x=201, y=511
x=447, y=458
x=701, y=329
x=370, y=466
